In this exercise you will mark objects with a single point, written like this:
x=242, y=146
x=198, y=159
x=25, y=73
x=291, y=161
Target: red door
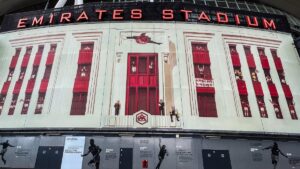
x=206, y=105
x=142, y=83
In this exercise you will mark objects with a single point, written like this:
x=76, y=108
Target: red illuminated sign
x=136, y=14
x=145, y=12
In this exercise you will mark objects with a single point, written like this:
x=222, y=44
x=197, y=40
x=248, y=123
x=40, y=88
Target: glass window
x=79, y=104
x=200, y=2
x=298, y=21
x=295, y=20
x=211, y=3
x=291, y=21
x=206, y=105
x=279, y=12
x=22, y=73
x=132, y=101
x=243, y=6
x=83, y=71
x=142, y=98
x=47, y=72
x=40, y=49
x=261, y=8
x=34, y=72
x=222, y=4
x=10, y=75
x=13, y=104
x=26, y=104
x=40, y=103
x=2, y=101
x=132, y=65
x=188, y=1
x=252, y=7
x=142, y=65
x=232, y=5
x=270, y=10
x=277, y=108
x=245, y=106
x=262, y=106
x=151, y=65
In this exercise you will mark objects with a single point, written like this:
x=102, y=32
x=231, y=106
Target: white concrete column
x=78, y=2
x=60, y=3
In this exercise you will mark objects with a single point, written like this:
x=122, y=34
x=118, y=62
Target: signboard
x=166, y=12
x=73, y=149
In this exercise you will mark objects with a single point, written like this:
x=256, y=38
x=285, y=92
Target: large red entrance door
x=142, y=83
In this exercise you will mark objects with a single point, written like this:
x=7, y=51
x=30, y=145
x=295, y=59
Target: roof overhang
x=290, y=6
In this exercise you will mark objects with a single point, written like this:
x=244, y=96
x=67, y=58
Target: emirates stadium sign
x=166, y=12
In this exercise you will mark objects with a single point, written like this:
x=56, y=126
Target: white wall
x=108, y=80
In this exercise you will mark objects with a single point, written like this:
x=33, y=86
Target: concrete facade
x=109, y=71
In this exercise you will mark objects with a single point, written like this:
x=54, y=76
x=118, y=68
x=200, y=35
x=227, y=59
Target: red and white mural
x=133, y=75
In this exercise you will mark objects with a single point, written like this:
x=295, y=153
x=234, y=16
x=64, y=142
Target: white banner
x=74, y=147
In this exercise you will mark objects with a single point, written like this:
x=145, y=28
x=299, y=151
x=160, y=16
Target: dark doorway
x=216, y=159
x=49, y=157
x=125, y=158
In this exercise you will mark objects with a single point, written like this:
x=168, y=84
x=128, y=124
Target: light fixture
x=166, y=57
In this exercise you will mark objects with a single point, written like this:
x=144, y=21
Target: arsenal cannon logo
x=142, y=118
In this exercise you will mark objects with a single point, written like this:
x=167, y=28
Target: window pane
x=132, y=101
x=2, y=101
x=47, y=72
x=142, y=99
x=200, y=2
x=40, y=103
x=261, y=8
x=245, y=106
x=142, y=65
x=252, y=7
x=22, y=73
x=270, y=10
x=210, y=3
x=242, y=6
x=232, y=5
x=222, y=4
x=79, y=104
x=206, y=105
x=34, y=72
x=189, y=1
x=26, y=104
x=152, y=101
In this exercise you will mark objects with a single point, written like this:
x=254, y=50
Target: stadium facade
x=214, y=81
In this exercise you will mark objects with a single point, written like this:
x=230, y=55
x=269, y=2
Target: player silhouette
x=161, y=155
x=275, y=154
x=5, y=145
x=95, y=151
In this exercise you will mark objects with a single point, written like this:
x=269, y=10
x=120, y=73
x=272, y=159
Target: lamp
x=166, y=57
